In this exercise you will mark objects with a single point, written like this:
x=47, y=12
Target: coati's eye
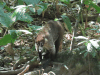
x=37, y=43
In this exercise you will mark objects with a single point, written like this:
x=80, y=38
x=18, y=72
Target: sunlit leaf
x=56, y=19
x=81, y=37
x=94, y=42
x=20, y=14
x=89, y=47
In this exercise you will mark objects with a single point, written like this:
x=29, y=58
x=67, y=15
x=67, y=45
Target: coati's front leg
x=40, y=56
x=52, y=53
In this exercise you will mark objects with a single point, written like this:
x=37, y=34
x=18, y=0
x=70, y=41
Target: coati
x=49, y=38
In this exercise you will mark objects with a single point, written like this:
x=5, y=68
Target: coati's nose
x=40, y=49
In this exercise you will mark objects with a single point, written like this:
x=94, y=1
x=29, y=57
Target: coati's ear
x=46, y=40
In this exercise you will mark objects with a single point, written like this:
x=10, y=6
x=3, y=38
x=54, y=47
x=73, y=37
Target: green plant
x=92, y=45
x=5, y=19
x=90, y=4
x=67, y=22
x=38, y=5
x=9, y=38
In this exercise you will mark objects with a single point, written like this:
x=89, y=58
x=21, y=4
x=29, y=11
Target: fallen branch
x=13, y=71
x=25, y=70
x=32, y=63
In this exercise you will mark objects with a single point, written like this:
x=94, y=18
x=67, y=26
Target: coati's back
x=54, y=28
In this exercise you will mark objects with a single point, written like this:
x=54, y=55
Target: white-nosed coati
x=50, y=38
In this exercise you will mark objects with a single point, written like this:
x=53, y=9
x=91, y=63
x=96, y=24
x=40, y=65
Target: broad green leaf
x=32, y=10
x=93, y=29
x=13, y=34
x=20, y=2
x=5, y=19
x=5, y=40
x=96, y=7
x=67, y=21
x=25, y=17
x=39, y=11
x=31, y=2
x=34, y=27
x=43, y=6
x=56, y=19
x=19, y=14
x=2, y=4
x=9, y=38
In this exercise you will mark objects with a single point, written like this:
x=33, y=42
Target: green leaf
x=43, y=6
x=20, y=2
x=85, y=54
x=5, y=40
x=39, y=11
x=56, y=19
x=5, y=19
x=32, y=10
x=93, y=54
x=96, y=7
x=21, y=15
x=86, y=43
x=2, y=48
x=13, y=34
x=34, y=27
x=2, y=4
x=33, y=48
x=9, y=38
x=67, y=22
x=65, y=1
x=98, y=31
x=93, y=29
x=31, y=2
x=83, y=51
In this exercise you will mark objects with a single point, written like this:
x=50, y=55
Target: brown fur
x=50, y=38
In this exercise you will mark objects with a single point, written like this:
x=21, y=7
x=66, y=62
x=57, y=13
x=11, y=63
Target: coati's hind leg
x=58, y=44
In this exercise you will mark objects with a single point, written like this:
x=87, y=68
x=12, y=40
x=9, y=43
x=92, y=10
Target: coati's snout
x=39, y=46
